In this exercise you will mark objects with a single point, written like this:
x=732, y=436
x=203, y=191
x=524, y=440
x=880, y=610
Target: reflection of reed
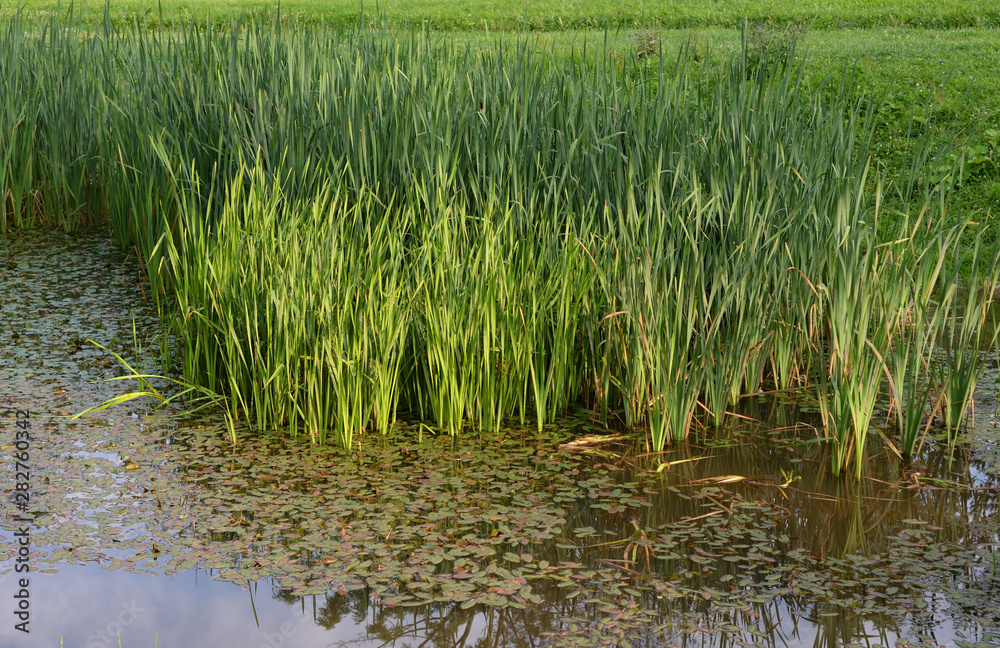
x=821, y=514
x=436, y=625
x=445, y=624
x=449, y=625
x=839, y=628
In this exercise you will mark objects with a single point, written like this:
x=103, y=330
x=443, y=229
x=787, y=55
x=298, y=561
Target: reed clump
x=354, y=224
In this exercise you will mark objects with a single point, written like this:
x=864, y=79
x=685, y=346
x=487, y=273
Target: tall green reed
x=849, y=385
x=913, y=320
x=966, y=309
x=353, y=224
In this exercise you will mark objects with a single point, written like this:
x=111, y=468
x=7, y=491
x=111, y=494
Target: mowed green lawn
x=571, y=14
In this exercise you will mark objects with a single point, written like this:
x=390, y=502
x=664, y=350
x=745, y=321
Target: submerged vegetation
x=341, y=226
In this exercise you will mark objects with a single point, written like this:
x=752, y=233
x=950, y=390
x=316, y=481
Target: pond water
x=154, y=528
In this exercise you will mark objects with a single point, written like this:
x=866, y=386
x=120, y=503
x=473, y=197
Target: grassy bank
x=548, y=15
x=352, y=224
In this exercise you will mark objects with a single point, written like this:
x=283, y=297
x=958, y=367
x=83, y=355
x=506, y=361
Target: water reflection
x=90, y=607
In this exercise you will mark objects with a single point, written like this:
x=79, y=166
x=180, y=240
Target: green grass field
x=575, y=14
